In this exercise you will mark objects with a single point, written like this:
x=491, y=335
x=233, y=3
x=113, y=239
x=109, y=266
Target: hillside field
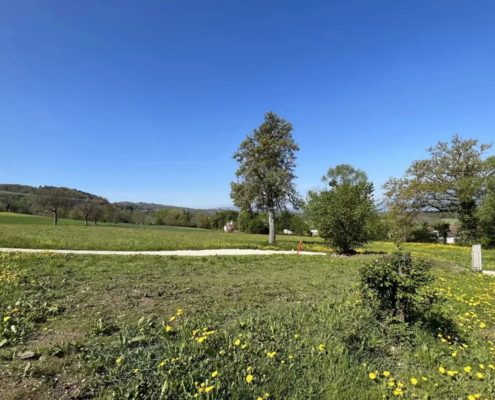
x=24, y=231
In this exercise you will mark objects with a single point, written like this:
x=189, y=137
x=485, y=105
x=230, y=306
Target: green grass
x=75, y=236
x=98, y=328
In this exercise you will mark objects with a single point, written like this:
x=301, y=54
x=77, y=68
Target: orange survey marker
x=299, y=248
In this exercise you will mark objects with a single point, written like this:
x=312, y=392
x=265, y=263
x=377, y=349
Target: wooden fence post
x=476, y=258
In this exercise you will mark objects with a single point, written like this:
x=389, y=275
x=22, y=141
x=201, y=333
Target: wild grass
x=248, y=327
x=73, y=235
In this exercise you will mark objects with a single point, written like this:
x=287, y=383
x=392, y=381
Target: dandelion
x=322, y=347
x=386, y=373
x=391, y=384
x=267, y=395
x=482, y=325
x=471, y=397
x=201, y=339
x=365, y=365
x=209, y=389
x=467, y=369
x=249, y=378
x=221, y=352
x=451, y=373
x=118, y=360
x=372, y=375
x=195, y=332
x=136, y=370
x=244, y=346
x=454, y=354
x=482, y=366
x=442, y=370
x=491, y=366
x=271, y=355
x=296, y=336
x=414, y=381
x=203, y=385
x=6, y=319
x=214, y=374
x=424, y=378
x=479, y=375
x=237, y=342
x=171, y=319
x=179, y=311
x=249, y=369
x=168, y=328
x=477, y=395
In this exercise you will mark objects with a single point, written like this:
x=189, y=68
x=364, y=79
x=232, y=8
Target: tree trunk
x=55, y=218
x=271, y=226
x=95, y=220
x=85, y=221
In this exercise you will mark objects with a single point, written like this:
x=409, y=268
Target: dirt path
x=181, y=253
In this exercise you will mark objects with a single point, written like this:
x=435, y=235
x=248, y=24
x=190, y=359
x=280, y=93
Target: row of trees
x=458, y=178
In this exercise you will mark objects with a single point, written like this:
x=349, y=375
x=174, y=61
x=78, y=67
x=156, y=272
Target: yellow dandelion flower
x=442, y=370
x=322, y=347
x=249, y=378
x=450, y=373
x=136, y=370
x=479, y=375
x=482, y=366
x=172, y=318
x=203, y=385
x=424, y=378
x=372, y=375
x=179, y=311
x=249, y=369
x=118, y=360
x=477, y=395
x=471, y=397
x=454, y=354
x=168, y=328
x=267, y=395
x=271, y=355
x=414, y=381
x=214, y=374
x=491, y=366
x=244, y=346
x=365, y=365
x=386, y=373
x=237, y=342
x=195, y=332
x=296, y=336
x=467, y=369
x=6, y=319
x=201, y=339
x=209, y=389
x=391, y=384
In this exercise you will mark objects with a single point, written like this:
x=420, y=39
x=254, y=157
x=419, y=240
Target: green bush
x=342, y=214
x=422, y=234
x=396, y=286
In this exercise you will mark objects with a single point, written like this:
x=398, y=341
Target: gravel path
x=182, y=253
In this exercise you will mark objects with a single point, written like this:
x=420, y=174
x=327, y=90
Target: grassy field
x=274, y=327
x=73, y=235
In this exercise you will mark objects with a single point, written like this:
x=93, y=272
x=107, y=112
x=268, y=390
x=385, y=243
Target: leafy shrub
x=397, y=286
x=422, y=234
x=342, y=214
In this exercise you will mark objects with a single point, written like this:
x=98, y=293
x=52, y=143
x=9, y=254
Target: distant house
x=452, y=235
x=229, y=227
x=313, y=232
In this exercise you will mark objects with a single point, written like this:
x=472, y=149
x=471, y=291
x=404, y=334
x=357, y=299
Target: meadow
x=266, y=327
x=16, y=232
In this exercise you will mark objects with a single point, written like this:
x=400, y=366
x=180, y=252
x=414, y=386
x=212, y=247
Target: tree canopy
x=265, y=176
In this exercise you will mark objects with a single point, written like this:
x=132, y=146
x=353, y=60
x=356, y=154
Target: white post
x=476, y=258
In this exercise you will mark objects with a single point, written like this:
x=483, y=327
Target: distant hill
x=14, y=193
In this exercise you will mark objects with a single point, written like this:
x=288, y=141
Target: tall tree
x=97, y=212
x=265, y=177
x=450, y=180
x=52, y=199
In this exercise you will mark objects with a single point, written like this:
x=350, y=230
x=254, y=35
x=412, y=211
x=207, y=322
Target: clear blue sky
x=148, y=100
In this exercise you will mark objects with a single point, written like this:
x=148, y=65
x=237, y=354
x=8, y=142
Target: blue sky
x=148, y=100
